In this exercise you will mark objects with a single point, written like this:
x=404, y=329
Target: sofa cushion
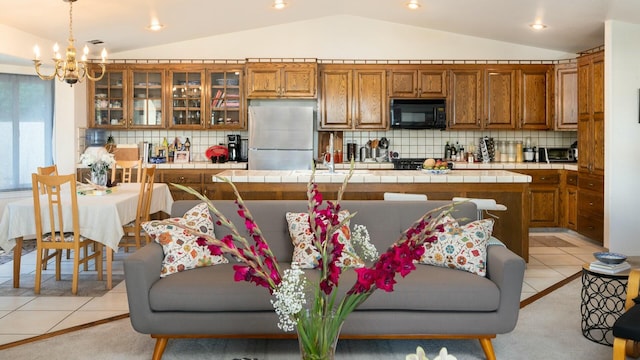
x=306, y=254
x=460, y=247
x=181, y=252
x=428, y=288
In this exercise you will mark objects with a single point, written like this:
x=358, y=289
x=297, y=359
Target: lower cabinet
x=197, y=179
x=544, y=198
x=570, y=201
x=591, y=206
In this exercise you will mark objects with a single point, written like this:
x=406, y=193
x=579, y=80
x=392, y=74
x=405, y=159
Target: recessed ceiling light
x=413, y=4
x=155, y=26
x=538, y=26
x=279, y=4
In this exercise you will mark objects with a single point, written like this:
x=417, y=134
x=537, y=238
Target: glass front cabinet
x=127, y=97
x=226, y=109
x=194, y=97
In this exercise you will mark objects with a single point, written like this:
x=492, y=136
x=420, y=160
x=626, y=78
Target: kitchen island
x=506, y=187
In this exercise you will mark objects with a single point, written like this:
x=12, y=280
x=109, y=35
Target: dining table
x=101, y=215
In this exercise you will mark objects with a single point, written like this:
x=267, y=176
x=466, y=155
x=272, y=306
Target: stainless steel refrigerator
x=280, y=137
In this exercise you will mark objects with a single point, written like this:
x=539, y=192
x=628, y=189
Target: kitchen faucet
x=331, y=162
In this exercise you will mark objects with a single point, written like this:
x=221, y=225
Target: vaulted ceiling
x=572, y=25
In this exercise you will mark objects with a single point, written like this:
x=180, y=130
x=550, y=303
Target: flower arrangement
x=318, y=326
x=99, y=163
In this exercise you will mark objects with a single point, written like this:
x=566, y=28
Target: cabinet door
x=597, y=101
x=571, y=208
x=500, y=99
x=370, y=99
x=187, y=98
x=298, y=81
x=466, y=99
x=535, y=98
x=146, y=98
x=404, y=83
x=107, y=104
x=225, y=99
x=544, y=205
x=336, y=94
x=263, y=82
x=566, y=84
x=432, y=83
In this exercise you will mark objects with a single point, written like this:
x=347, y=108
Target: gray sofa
x=430, y=302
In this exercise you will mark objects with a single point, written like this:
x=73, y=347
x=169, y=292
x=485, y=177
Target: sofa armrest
x=141, y=271
x=506, y=270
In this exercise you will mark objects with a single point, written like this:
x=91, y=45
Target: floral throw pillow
x=460, y=247
x=181, y=251
x=306, y=254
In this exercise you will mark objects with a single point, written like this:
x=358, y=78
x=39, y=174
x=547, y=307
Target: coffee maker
x=233, y=145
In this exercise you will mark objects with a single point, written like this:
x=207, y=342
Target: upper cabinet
x=536, y=95
x=353, y=98
x=127, y=97
x=423, y=82
x=591, y=113
x=187, y=98
x=282, y=80
x=465, y=99
x=500, y=97
x=566, y=96
x=226, y=104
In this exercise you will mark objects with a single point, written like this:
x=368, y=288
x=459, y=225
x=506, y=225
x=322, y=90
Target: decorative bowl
x=609, y=257
x=436, y=171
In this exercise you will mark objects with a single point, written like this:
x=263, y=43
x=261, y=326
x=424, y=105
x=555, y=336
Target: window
x=26, y=128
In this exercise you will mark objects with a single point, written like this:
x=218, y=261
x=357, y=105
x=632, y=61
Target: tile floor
x=24, y=315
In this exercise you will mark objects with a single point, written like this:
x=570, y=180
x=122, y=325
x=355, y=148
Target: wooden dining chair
x=626, y=329
x=49, y=170
x=127, y=166
x=58, y=228
x=133, y=230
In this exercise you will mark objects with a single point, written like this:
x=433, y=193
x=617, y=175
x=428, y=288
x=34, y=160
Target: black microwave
x=418, y=114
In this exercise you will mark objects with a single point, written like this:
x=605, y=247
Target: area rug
x=548, y=328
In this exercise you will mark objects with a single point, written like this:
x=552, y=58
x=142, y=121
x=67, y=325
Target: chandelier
x=69, y=69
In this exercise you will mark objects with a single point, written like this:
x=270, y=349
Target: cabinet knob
x=591, y=204
x=181, y=178
x=543, y=178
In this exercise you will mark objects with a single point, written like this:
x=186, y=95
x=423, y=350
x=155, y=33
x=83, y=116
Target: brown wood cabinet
x=424, y=82
x=282, y=80
x=500, y=96
x=570, y=200
x=127, y=97
x=591, y=146
x=353, y=98
x=544, y=197
x=566, y=97
x=465, y=99
x=169, y=96
x=536, y=96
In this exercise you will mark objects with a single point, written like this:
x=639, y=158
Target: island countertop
x=373, y=177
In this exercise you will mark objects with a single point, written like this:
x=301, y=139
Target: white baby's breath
x=360, y=238
x=289, y=297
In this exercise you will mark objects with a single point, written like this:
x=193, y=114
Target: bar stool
x=483, y=206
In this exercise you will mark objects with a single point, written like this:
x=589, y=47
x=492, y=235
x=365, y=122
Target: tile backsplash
x=408, y=143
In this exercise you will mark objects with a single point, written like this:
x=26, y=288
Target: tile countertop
x=459, y=165
x=379, y=176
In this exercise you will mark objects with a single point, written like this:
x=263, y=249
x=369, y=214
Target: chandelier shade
x=68, y=68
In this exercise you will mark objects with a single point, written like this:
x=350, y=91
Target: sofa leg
x=487, y=347
x=158, y=350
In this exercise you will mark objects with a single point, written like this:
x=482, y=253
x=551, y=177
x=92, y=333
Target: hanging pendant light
x=68, y=68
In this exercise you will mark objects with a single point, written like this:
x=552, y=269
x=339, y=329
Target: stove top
x=408, y=163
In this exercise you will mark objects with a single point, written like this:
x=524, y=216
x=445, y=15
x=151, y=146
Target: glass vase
x=99, y=178
x=318, y=335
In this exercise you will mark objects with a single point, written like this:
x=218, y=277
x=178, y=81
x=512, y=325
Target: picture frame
x=181, y=157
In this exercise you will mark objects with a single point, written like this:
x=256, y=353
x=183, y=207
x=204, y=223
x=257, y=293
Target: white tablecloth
x=101, y=217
